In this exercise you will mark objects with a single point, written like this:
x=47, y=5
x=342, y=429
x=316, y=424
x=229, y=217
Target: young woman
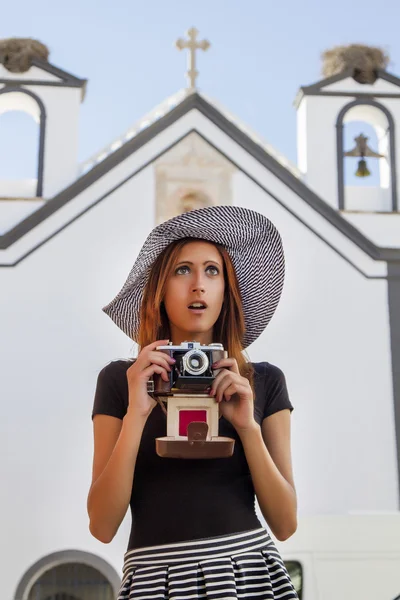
x=195, y=533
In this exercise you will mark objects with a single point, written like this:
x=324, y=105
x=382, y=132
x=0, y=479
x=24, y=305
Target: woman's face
x=197, y=277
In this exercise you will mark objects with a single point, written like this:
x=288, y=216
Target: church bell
x=362, y=150
x=362, y=170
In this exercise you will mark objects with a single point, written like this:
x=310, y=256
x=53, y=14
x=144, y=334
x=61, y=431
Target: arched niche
x=378, y=117
x=191, y=173
x=192, y=200
x=17, y=99
x=67, y=575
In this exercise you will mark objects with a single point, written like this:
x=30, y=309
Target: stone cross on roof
x=192, y=44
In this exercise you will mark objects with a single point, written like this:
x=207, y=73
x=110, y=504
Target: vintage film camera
x=192, y=372
x=192, y=415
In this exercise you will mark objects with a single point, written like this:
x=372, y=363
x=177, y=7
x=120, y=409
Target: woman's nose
x=198, y=283
x=199, y=288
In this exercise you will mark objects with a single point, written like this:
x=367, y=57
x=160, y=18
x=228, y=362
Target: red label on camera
x=188, y=416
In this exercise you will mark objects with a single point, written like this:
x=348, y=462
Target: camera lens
x=195, y=362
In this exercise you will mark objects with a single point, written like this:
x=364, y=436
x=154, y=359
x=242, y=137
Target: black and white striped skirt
x=244, y=565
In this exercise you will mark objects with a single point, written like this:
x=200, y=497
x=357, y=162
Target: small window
x=19, y=141
x=295, y=571
x=71, y=581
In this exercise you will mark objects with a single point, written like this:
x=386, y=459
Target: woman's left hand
x=234, y=395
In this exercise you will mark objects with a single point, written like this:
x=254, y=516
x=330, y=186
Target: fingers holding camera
x=230, y=389
x=162, y=359
x=216, y=383
x=227, y=383
x=149, y=362
x=234, y=396
x=149, y=355
x=155, y=368
x=227, y=363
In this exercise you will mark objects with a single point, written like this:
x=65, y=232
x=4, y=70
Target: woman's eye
x=180, y=269
x=185, y=269
x=214, y=270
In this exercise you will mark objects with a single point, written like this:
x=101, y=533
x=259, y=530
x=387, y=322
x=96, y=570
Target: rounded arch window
x=61, y=596
x=71, y=581
x=19, y=136
x=69, y=575
x=22, y=138
x=366, y=157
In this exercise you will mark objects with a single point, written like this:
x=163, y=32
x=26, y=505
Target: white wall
x=13, y=212
x=382, y=229
x=347, y=556
x=316, y=142
x=17, y=188
x=364, y=198
x=330, y=336
x=34, y=73
x=62, y=108
x=54, y=341
x=62, y=132
x=317, y=147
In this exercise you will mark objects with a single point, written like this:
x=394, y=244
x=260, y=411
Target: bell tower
x=346, y=132
x=52, y=97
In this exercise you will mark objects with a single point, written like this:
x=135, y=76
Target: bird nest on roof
x=364, y=61
x=16, y=54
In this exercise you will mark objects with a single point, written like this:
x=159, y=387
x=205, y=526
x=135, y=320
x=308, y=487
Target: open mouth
x=197, y=306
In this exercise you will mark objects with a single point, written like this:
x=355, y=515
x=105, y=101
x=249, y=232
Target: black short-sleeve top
x=175, y=500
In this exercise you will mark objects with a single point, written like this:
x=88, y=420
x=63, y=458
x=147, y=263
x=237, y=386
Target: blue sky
x=261, y=52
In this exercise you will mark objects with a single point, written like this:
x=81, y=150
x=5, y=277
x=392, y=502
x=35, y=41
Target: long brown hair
x=229, y=328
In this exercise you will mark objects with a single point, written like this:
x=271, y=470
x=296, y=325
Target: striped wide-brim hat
x=254, y=246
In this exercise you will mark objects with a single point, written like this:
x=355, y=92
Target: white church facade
x=69, y=237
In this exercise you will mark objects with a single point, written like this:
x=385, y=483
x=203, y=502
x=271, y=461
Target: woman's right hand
x=149, y=362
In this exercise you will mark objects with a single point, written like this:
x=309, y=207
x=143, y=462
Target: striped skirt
x=245, y=565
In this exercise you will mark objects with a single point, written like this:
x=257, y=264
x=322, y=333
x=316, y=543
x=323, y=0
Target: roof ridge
x=166, y=106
